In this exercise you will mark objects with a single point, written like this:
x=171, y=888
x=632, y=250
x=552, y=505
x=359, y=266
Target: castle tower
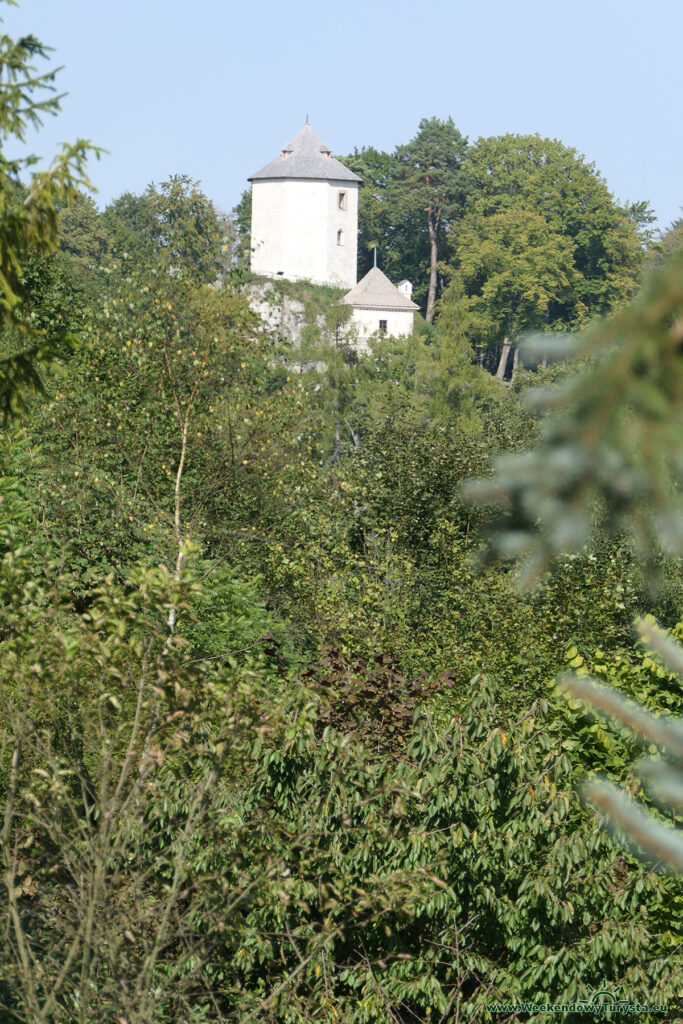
x=304, y=220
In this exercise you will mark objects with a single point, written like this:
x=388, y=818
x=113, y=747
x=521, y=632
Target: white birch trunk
x=503, y=362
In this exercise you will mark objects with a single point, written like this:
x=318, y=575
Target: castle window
x=340, y=237
x=341, y=201
x=383, y=326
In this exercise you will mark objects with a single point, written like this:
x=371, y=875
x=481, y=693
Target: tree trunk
x=336, y=454
x=180, y=557
x=337, y=403
x=184, y=424
x=503, y=362
x=433, y=257
x=515, y=362
x=355, y=437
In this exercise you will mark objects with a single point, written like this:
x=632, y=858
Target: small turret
x=380, y=306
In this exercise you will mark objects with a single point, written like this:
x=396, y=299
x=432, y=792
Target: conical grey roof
x=306, y=156
x=376, y=291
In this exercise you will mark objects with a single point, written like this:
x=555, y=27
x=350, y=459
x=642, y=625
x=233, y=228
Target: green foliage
x=432, y=163
x=242, y=221
x=637, y=673
x=113, y=746
x=82, y=235
x=175, y=226
x=317, y=299
x=542, y=176
x=541, y=245
x=616, y=440
x=642, y=215
x=188, y=841
x=526, y=225
x=668, y=243
x=281, y=795
x=28, y=215
x=660, y=734
x=431, y=179
x=614, y=436
x=155, y=349
x=229, y=622
x=129, y=225
x=407, y=201
x=458, y=872
x=398, y=233
x=187, y=231
x=515, y=271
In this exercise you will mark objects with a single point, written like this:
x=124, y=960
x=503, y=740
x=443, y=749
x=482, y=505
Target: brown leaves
x=371, y=698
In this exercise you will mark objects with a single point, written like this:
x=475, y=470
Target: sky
x=215, y=89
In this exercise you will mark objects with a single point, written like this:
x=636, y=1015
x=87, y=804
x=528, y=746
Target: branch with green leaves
x=29, y=210
x=663, y=773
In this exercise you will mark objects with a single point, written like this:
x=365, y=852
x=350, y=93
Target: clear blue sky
x=214, y=89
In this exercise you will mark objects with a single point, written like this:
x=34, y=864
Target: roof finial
x=374, y=255
x=306, y=118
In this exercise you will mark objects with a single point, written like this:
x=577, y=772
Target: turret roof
x=376, y=291
x=306, y=156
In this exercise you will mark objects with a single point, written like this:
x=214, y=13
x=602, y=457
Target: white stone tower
x=304, y=220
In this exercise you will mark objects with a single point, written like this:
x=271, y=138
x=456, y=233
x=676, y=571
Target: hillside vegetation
x=280, y=738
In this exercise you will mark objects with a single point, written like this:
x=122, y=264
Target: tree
x=514, y=270
x=175, y=225
x=643, y=216
x=432, y=180
x=669, y=242
x=328, y=341
x=129, y=223
x=82, y=235
x=406, y=202
x=28, y=214
x=475, y=875
x=187, y=229
x=396, y=229
x=241, y=215
x=128, y=770
x=545, y=178
x=155, y=380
